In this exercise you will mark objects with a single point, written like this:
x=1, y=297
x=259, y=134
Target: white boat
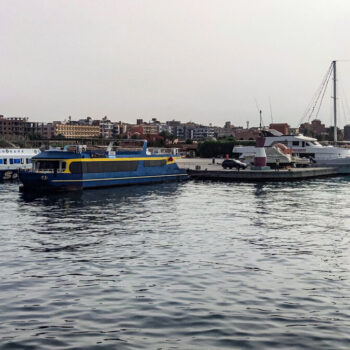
x=13, y=159
x=301, y=146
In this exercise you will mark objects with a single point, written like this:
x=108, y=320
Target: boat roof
x=19, y=151
x=274, y=134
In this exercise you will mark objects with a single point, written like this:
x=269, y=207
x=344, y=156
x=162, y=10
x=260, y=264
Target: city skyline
x=204, y=61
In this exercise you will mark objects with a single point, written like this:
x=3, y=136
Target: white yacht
x=301, y=146
x=13, y=159
x=308, y=147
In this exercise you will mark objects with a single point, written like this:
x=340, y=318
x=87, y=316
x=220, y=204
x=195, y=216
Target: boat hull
x=8, y=174
x=69, y=182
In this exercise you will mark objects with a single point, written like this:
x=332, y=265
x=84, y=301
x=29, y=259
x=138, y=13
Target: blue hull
x=70, y=182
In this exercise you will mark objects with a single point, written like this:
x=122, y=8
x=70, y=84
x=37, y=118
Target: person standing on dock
x=277, y=165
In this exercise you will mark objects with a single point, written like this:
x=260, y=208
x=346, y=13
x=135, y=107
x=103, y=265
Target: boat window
x=1, y=161
x=47, y=164
x=27, y=160
x=303, y=144
x=63, y=166
x=22, y=161
x=75, y=168
x=161, y=162
x=295, y=143
x=307, y=144
x=5, y=160
x=102, y=167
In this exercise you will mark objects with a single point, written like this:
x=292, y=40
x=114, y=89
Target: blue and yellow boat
x=76, y=168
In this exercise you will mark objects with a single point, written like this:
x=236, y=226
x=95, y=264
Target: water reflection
x=100, y=196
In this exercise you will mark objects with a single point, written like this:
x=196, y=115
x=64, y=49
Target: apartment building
x=71, y=131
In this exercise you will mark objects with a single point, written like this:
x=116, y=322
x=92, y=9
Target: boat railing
x=159, y=150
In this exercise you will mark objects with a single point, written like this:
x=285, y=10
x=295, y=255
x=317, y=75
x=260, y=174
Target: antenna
x=260, y=112
x=247, y=124
x=270, y=109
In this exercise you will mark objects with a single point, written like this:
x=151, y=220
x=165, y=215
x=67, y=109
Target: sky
x=206, y=61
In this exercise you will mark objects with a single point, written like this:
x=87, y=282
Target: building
x=315, y=127
x=246, y=134
x=71, y=131
x=135, y=130
x=173, y=126
x=144, y=128
x=44, y=130
x=281, y=127
x=120, y=128
x=202, y=133
x=12, y=126
x=106, y=127
x=150, y=129
x=225, y=132
x=164, y=127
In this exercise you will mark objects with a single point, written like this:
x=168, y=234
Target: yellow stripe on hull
x=118, y=178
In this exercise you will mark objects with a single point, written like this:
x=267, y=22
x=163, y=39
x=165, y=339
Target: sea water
x=190, y=265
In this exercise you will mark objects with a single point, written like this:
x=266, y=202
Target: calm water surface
x=177, y=266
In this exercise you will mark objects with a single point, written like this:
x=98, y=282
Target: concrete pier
x=262, y=175
x=205, y=169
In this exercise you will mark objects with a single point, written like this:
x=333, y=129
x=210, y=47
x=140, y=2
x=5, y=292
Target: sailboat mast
x=335, y=100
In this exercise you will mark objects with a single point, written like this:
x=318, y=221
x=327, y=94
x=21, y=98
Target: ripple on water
x=177, y=266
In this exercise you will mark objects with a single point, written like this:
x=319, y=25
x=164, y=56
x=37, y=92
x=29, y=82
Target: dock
x=204, y=169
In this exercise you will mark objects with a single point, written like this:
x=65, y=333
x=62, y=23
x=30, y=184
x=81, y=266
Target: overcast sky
x=206, y=61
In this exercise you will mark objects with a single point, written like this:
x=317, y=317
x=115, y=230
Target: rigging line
x=256, y=104
x=311, y=102
x=344, y=99
x=321, y=92
x=324, y=91
x=270, y=109
x=344, y=114
x=310, y=109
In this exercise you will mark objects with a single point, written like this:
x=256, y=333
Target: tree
x=167, y=136
x=35, y=136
